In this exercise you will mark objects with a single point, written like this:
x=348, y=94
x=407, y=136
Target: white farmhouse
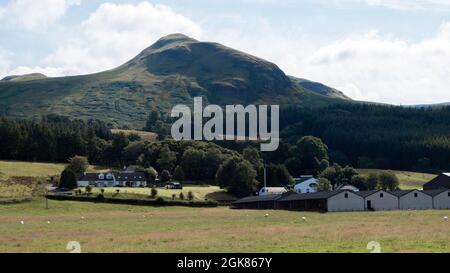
x=113, y=179
x=413, y=200
x=305, y=184
x=379, y=200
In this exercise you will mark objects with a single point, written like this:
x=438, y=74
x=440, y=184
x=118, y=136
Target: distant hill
x=26, y=77
x=173, y=70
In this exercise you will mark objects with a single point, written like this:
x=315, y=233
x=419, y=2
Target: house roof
x=369, y=193
x=125, y=176
x=400, y=193
x=434, y=193
x=366, y=193
x=263, y=198
x=93, y=177
x=119, y=176
x=303, y=178
x=310, y=196
x=346, y=186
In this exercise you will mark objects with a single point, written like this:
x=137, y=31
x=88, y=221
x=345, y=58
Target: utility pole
x=265, y=175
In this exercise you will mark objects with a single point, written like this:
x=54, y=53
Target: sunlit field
x=122, y=228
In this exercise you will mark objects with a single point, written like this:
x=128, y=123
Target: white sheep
x=445, y=218
x=267, y=215
x=22, y=222
x=304, y=219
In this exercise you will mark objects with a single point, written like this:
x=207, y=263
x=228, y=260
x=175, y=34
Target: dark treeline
x=51, y=139
x=376, y=136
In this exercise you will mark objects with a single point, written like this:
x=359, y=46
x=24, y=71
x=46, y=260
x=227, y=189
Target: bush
x=388, y=181
x=153, y=192
x=181, y=196
x=88, y=189
x=324, y=185
x=68, y=180
x=160, y=200
x=78, y=164
x=174, y=196
x=190, y=196
x=178, y=174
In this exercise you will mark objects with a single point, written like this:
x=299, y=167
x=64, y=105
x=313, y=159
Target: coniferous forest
x=360, y=135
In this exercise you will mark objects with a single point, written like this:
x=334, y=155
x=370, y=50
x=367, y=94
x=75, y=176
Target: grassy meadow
x=200, y=192
x=408, y=180
x=122, y=228
x=30, y=169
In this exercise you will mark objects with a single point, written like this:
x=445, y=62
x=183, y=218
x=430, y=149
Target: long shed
x=379, y=200
x=413, y=200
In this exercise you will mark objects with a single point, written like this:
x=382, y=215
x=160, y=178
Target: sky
x=390, y=51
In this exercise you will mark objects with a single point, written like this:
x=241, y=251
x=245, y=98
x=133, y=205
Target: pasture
x=200, y=192
x=122, y=228
x=408, y=180
x=30, y=169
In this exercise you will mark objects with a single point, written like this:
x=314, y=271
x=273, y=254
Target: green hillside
x=408, y=180
x=172, y=71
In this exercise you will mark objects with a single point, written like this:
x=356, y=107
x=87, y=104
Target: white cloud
x=115, y=33
x=376, y=68
x=410, y=4
x=32, y=14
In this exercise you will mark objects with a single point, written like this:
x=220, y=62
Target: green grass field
x=18, y=168
x=122, y=228
x=408, y=180
x=200, y=192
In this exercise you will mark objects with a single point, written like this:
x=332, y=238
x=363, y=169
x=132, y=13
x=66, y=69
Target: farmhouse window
x=346, y=195
x=448, y=194
x=416, y=195
x=381, y=195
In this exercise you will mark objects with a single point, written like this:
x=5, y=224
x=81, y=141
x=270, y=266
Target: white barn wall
x=421, y=202
x=442, y=200
x=387, y=202
x=338, y=202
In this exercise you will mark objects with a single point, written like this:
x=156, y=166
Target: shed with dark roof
x=441, y=198
x=413, y=200
x=377, y=200
x=442, y=181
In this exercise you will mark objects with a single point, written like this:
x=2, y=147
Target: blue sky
x=394, y=51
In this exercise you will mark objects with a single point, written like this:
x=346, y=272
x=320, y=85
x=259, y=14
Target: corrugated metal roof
x=263, y=198
x=433, y=193
x=366, y=193
x=310, y=196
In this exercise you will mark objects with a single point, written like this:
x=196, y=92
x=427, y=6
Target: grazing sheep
x=267, y=215
x=304, y=219
x=22, y=222
x=445, y=218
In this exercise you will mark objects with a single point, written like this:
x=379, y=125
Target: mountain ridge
x=171, y=71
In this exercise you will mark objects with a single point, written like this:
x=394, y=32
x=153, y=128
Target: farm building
x=347, y=187
x=305, y=184
x=441, y=198
x=413, y=200
x=260, y=202
x=318, y=201
x=272, y=190
x=442, y=181
x=112, y=179
x=379, y=200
